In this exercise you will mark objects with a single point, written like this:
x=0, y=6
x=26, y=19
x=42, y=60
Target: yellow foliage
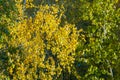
x=46, y=48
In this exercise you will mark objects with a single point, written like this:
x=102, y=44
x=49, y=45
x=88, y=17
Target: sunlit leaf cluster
x=59, y=39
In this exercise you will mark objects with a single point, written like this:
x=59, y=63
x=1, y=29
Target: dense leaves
x=59, y=39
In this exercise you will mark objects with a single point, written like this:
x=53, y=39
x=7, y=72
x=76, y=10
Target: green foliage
x=100, y=49
x=59, y=39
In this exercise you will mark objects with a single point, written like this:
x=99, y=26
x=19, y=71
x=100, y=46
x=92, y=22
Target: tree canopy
x=59, y=39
